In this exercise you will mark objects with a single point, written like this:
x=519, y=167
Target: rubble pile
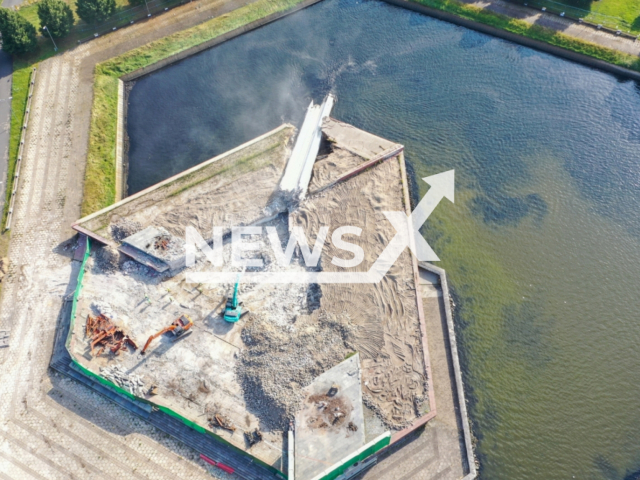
x=107, y=259
x=104, y=335
x=130, y=382
x=278, y=363
x=124, y=228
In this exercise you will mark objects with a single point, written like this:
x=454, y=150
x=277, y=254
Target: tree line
x=56, y=19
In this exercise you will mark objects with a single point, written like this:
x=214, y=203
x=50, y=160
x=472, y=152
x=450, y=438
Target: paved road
x=563, y=25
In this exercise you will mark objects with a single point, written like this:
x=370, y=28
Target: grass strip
x=100, y=176
x=535, y=32
x=100, y=189
x=19, y=94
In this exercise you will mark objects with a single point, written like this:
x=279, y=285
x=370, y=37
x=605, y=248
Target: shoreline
x=539, y=45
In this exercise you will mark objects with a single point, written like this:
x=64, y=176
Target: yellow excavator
x=178, y=327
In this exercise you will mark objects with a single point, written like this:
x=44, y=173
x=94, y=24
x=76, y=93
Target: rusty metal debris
x=161, y=242
x=221, y=421
x=104, y=335
x=253, y=437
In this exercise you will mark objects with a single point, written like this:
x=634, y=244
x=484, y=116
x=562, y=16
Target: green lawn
x=30, y=10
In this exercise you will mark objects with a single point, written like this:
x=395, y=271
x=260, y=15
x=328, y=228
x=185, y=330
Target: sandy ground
x=385, y=314
x=436, y=452
x=236, y=189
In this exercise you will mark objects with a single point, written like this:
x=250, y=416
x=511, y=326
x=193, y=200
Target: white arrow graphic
x=408, y=227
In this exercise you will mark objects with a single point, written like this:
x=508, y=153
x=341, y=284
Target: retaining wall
x=453, y=345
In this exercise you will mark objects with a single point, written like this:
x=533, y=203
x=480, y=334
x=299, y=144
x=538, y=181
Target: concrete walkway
x=559, y=24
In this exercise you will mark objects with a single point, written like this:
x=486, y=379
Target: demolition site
x=302, y=380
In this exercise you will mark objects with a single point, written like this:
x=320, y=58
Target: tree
x=18, y=35
x=56, y=16
x=95, y=11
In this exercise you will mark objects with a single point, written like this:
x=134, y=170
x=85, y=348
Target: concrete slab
x=330, y=426
x=357, y=141
x=160, y=245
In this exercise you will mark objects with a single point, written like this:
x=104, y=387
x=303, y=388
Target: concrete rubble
x=130, y=382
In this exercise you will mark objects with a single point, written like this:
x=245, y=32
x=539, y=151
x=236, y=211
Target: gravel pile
x=278, y=363
x=130, y=382
x=107, y=259
x=124, y=228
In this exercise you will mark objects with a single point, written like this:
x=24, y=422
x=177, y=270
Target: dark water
x=543, y=243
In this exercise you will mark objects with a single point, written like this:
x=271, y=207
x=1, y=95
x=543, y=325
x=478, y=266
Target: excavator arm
x=156, y=335
x=178, y=327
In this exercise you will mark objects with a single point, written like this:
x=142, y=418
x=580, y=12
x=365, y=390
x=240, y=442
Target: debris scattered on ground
x=124, y=228
x=161, y=242
x=104, y=335
x=277, y=363
x=331, y=411
x=219, y=420
x=130, y=382
x=352, y=427
x=253, y=437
